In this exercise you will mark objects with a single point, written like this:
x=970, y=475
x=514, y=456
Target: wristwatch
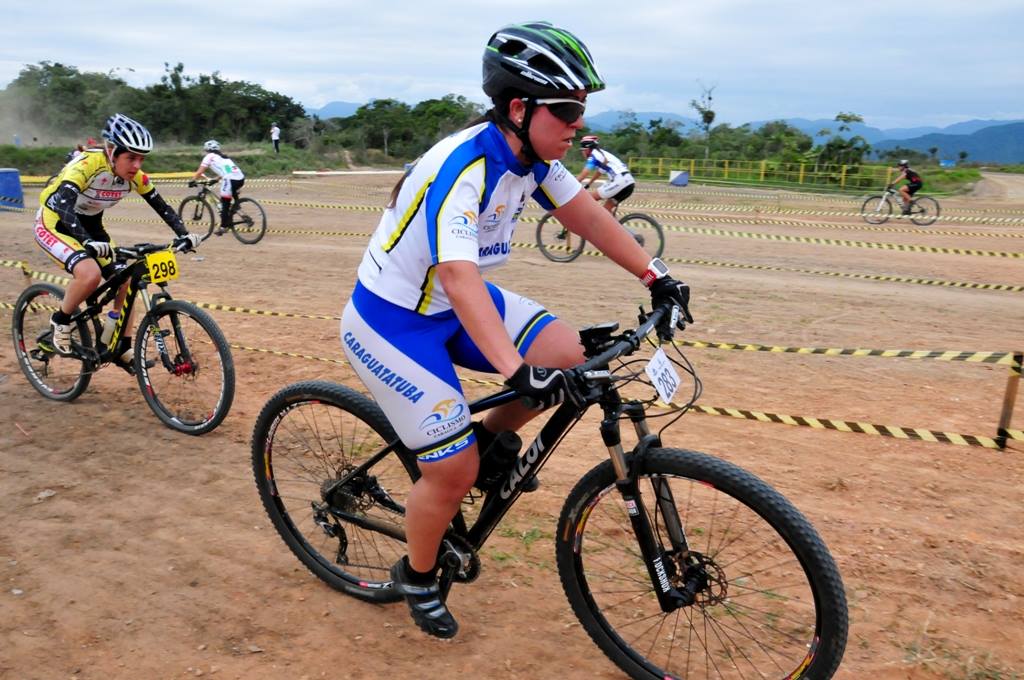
x=655, y=270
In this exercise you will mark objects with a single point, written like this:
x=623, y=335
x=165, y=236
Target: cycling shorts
x=229, y=187
x=407, y=361
x=614, y=187
x=53, y=237
x=913, y=187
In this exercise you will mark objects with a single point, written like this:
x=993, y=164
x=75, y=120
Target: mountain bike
x=676, y=563
x=202, y=212
x=181, y=360
x=561, y=245
x=924, y=210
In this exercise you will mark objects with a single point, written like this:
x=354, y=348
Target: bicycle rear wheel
x=876, y=209
x=307, y=437
x=184, y=367
x=54, y=376
x=647, y=232
x=925, y=211
x=769, y=601
x=198, y=215
x=556, y=242
x=249, y=221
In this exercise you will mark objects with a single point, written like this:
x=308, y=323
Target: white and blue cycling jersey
x=460, y=202
x=606, y=163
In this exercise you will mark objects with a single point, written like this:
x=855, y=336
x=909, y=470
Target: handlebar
x=140, y=250
x=628, y=343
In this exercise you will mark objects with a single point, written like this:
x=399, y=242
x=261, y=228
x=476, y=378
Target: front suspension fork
x=669, y=597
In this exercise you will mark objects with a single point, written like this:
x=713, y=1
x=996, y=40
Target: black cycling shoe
x=426, y=605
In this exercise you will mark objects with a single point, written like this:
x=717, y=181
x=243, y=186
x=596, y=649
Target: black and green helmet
x=540, y=60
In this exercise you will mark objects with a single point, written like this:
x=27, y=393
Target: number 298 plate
x=162, y=266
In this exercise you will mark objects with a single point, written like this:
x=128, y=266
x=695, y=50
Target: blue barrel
x=11, y=195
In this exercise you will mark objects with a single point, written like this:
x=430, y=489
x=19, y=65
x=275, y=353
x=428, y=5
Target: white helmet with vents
x=211, y=145
x=128, y=134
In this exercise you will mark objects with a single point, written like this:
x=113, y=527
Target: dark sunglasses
x=565, y=109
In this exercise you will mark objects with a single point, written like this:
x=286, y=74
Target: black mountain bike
x=181, y=360
x=678, y=564
x=924, y=210
x=561, y=245
x=202, y=212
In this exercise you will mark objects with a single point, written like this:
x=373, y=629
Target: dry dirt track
x=153, y=558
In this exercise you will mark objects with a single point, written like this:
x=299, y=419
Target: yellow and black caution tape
x=263, y=312
x=895, y=431
x=1000, y=358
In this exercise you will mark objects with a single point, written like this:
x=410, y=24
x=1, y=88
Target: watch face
x=660, y=267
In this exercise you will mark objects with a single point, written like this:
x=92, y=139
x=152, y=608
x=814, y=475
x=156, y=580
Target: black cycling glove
x=542, y=388
x=667, y=290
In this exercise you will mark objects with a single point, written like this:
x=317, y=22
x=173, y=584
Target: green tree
x=706, y=113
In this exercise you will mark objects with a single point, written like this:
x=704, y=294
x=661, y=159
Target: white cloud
x=936, y=64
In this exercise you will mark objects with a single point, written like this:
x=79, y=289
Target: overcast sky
x=898, y=64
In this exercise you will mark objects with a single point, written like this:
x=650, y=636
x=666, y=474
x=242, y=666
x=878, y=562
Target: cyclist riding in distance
x=619, y=185
x=421, y=306
x=231, y=176
x=69, y=223
x=914, y=182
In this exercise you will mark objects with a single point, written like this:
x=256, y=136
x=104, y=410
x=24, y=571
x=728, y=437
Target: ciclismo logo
x=492, y=221
x=447, y=416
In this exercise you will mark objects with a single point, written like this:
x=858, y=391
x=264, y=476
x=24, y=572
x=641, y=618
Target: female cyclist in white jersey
x=231, y=179
x=421, y=306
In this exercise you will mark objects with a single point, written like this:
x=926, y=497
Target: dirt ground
x=130, y=551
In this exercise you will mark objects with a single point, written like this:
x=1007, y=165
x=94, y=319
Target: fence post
x=661, y=167
x=693, y=166
x=801, y=180
x=1009, y=398
x=725, y=170
x=842, y=178
x=763, y=165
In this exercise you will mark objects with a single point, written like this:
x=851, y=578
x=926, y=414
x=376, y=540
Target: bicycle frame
x=137, y=277
x=500, y=499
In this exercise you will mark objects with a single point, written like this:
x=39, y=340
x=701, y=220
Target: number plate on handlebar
x=162, y=266
x=661, y=372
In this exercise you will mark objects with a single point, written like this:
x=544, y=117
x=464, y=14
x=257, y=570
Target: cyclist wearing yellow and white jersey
x=619, y=185
x=69, y=223
x=914, y=182
x=231, y=176
x=421, y=306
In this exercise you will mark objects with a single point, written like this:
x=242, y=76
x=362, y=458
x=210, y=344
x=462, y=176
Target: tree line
x=67, y=103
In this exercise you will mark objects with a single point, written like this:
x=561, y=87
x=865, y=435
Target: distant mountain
x=609, y=120
x=994, y=144
x=333, y=110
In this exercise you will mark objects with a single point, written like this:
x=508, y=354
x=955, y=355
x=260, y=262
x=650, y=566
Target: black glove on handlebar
x=192, y=183
x=667, y=290
x=542, y=388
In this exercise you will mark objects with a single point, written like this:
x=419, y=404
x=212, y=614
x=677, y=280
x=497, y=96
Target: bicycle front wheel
x=769, y=601
x=556, y=242
x=184, y=367
x=249, y=221
x=646, y=231
x=198, y=215
x=876, y=209
x=925, y=211
x=54, y=376
x=307, y=438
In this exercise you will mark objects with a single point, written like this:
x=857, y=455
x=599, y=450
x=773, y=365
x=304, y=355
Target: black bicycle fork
x=669, y=597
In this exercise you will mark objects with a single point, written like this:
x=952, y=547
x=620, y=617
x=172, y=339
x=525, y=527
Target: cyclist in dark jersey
x=914, y=182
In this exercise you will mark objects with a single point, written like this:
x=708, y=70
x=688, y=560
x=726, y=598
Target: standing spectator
x=275, y=137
